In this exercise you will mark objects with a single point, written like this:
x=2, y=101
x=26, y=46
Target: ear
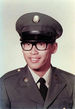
x=54, y=48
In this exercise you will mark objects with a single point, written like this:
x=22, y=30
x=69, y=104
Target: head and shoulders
x=38, y=33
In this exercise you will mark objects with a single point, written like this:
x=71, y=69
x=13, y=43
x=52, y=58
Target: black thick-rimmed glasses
x=27, y=46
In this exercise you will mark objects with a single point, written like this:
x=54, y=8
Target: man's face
x=39, y=60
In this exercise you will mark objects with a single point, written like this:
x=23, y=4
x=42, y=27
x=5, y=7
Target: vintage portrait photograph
x=37, y=54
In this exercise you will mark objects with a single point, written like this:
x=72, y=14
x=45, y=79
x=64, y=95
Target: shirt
x=46, y=76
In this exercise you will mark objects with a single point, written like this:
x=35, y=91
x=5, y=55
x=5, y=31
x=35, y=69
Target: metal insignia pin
x=18, y=70
x=36, y=19
x=64, y=108
x=26, y=80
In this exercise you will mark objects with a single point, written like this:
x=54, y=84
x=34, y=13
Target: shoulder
x=64, y=75
x=63, y=72
x=12, y=79
x=13, y=74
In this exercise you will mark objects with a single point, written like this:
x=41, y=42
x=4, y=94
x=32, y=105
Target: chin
x=34, y=67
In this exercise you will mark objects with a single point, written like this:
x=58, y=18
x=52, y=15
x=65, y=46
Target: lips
x=34, y=60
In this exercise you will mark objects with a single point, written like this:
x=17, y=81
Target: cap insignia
x=36, y=19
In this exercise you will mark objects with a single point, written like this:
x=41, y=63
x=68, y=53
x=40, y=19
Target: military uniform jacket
x=19, y=91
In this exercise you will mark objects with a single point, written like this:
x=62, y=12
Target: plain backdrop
x=11, y=56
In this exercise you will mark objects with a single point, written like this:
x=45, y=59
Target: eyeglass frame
x=34, y=43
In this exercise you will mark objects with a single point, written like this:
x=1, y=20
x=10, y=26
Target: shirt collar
x=46, y=76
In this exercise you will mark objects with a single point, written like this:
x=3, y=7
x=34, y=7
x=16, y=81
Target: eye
x=28, y=44
x=41, y=43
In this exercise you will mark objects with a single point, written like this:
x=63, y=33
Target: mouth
x=34, y=60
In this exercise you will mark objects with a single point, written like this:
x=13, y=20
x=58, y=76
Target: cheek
x=25, y=54
x=46, y=56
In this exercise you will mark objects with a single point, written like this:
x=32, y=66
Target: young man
x=38, y=85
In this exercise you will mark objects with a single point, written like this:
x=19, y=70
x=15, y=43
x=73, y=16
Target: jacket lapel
x=28, y=87
x=57, y=85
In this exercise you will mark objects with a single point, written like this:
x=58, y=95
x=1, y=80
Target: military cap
x=36, y=26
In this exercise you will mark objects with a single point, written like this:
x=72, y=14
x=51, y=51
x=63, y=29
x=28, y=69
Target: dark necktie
x=43, y=89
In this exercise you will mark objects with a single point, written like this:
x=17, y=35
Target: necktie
x=43, y=89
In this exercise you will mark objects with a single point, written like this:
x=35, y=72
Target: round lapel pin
x=25, y=80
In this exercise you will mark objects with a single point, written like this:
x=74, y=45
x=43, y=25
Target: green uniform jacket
x=19, y=91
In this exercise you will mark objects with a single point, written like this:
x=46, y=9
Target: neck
x=40, y=72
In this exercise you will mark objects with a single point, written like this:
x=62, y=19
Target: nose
x=34, y=50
